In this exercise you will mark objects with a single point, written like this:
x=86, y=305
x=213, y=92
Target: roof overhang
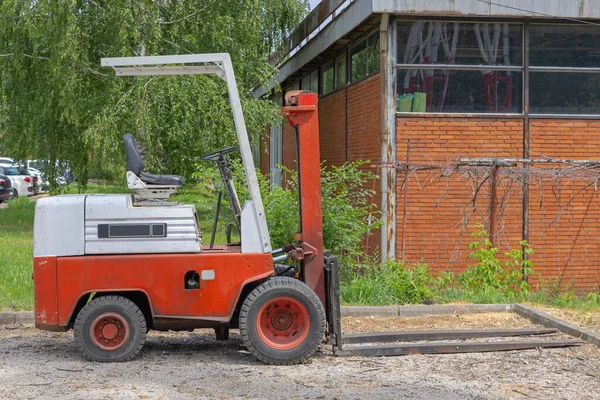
x=312, y=44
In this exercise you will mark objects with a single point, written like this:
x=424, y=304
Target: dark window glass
x=364, y=58
x=564, y=93
x=314, y=81
x=373, y=59
x=459, y=91
x=340, y=71
x=305, y=83
x=564, y=45
x=327, y=77
x=463, y=43
x=358, y=61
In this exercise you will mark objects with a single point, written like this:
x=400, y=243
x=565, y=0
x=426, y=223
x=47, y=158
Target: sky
x=313, y=3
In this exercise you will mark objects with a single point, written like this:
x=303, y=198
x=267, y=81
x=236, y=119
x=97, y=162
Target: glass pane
x=459, y=91
x=314, y=81
x=358, y=61
x=327, y=77
x=373, y=60
x=564, y=45
x=564, y=93
x=305, y=83
x=340, y=71
x=463, y=43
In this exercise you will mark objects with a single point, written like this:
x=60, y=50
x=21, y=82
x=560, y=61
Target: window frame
x=526, y=69
x=465, y=67
x=364, y=40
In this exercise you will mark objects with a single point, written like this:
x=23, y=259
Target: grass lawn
x=16, y=238
x=16, y=250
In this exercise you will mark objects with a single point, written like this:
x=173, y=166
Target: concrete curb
x=422, y=310
x=16, y=317
x=547, y=320
x=26, y=317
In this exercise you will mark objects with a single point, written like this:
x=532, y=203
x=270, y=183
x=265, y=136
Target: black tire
x=257, y=330
x=15, y=193
x=124, y=316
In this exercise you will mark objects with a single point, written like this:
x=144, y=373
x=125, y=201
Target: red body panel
x=159, y=276
x=305, y=116
x=46, y=297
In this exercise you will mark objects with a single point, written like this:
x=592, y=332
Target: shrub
x=490, y=275
x=389, y=283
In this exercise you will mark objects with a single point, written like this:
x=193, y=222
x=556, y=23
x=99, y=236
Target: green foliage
x=490, y=275
x=16, y=249
x=57, y=103
x=389, y=283
x=349, y=213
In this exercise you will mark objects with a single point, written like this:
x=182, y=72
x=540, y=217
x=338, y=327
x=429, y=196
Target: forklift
x=111, y=267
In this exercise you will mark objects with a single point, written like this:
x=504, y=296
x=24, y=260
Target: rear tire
x=282, y=321
x=110, y=328
x=15, y=193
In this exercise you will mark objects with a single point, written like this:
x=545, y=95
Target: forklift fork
x=354, y=341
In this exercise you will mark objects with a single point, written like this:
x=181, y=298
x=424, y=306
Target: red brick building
x=453, y=91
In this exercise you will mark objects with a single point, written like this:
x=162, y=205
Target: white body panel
x=181, y=227
x=71, y=225
x=250, y=237
x=58, y=226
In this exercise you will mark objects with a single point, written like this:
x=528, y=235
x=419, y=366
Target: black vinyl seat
x=135, y=164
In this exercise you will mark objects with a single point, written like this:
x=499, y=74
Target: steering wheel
x=218, y=154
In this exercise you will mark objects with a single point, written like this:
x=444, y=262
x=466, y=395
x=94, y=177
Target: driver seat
x=148, y=186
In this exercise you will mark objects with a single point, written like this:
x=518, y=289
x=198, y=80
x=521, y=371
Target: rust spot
x=581, y=7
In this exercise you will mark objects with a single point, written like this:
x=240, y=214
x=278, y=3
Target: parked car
x=6, y=161
x=6, y=192
x=22, y=182
x=35, y=168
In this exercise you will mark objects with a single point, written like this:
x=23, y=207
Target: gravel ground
x=35, y=364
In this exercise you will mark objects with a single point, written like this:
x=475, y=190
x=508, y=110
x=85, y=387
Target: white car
x=22, y=181
x=6, y=161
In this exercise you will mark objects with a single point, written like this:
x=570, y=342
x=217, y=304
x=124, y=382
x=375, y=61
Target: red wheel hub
x=109, y=331
x=283, y=323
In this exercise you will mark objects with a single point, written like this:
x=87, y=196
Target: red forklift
x=111, y=267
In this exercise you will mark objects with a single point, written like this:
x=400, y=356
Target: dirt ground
x=35, y=364
x=586, y=319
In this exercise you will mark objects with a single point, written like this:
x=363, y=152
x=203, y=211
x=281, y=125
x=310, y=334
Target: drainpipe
x=388, y=136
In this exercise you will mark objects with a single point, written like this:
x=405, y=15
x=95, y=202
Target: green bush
x=349, y=214
x=388, y=283
x=490, y=274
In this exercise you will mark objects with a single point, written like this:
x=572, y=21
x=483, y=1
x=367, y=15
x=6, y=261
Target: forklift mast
x=301, y=112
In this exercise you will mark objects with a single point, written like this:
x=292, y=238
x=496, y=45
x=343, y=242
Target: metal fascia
x=344, y=23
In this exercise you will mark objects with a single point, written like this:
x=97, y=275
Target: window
x=314, y=81
x=364, y=58
x=459, y=67
x=340, y=71
x=554, y=87
x=311, y=82
x=327, y=77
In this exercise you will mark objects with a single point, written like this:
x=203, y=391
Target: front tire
x=110, y=328
x=282, y=322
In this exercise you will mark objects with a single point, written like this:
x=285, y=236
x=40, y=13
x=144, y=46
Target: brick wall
x=364, y=138
x=567, y=248
x=332, y=128
x=439, y=214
